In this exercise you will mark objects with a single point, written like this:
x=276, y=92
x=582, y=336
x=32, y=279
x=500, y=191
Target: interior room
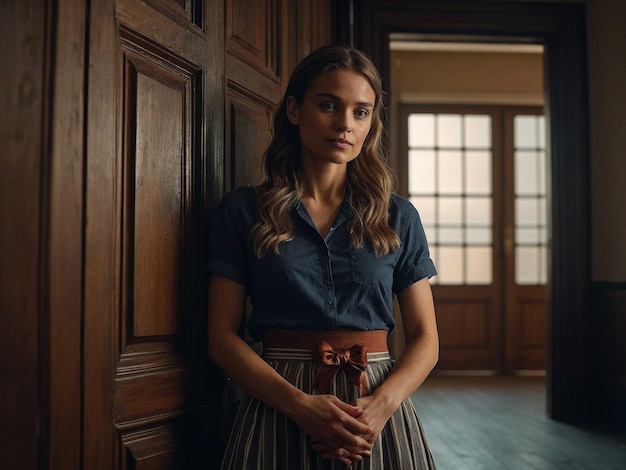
x=125, y=122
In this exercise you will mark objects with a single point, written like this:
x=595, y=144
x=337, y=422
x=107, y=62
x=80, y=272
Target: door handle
x=509, y=242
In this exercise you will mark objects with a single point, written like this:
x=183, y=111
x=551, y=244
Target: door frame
x=561, y=29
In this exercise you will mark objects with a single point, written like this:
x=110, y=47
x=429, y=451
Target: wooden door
x=525, y=251
x=180, y=98
x=154, y=117
x=477, y=175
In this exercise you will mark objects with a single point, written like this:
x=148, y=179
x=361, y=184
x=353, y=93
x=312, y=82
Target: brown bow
x=352, y=361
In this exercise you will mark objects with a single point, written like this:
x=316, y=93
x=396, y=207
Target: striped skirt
x=264, y=439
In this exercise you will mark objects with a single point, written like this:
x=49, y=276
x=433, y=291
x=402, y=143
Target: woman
x=320, y=248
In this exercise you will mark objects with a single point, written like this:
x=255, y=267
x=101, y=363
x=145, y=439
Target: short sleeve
x=230, y=235
x=414, y=262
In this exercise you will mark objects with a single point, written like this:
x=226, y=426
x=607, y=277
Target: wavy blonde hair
x=370, y=182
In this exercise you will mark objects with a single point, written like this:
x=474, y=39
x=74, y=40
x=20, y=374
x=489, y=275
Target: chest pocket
x=369, y=269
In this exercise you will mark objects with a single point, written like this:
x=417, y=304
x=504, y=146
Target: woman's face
x=334, y=118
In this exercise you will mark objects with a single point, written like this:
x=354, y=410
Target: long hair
x=369, y=183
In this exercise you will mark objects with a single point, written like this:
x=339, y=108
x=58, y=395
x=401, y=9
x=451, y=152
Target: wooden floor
x=500, y=423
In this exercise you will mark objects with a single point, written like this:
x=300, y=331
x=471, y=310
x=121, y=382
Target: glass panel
x=421, y=171
x=530, y=265
x=543, y=264
x=526, y=176
x=449, y=130
x=478, y=236
x=525, y=131
x=541, y=172
x=527, y=236
x=478, y=172
x=450, y=235
x=478, y=211
x=527, y=262
x=541, y=132
x=426, y=208
x=421, y=130
x=431, y=234
x=543, y=210
x=450, y=210
x=479, y=266
x=450, y=173
x=478, y=131
x=526, y=212
x=450, y=264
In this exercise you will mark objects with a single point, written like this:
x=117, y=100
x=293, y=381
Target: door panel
x=144, y=325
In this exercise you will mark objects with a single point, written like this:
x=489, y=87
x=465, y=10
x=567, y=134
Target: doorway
x=561, y=30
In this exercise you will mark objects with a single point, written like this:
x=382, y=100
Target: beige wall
x=607, y=110
x=478, y=77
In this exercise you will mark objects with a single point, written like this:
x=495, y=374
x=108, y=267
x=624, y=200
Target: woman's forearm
x=252, y=374
x=409, y=371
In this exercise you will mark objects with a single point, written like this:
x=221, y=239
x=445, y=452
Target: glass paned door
x=477, y=176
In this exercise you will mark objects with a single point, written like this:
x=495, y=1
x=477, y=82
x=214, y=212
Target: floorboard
x=500, y=423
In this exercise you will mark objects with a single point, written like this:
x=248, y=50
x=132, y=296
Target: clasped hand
x=339, y=430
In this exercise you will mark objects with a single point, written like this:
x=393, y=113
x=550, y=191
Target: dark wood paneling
x=253, y=30
x=250, y=134
x=468, y=331
x=23, y=73
x=65, y=244
x=145, y=194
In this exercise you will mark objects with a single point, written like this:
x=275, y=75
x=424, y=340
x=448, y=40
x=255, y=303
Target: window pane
x=478, y=211
x=526, y=175
x=478, y=172
x=450, y=236
x=450, y=210
x=525, y=130
x=478, y=236
x=527, y=236
x=449, y=130
x=421, y=130
x=526, y=212
x=541, y=172
x=543, y=265
x=449, y=173
x=479, y=267
x=478, y=131
x=421, y=171
x=541, y=131
x=527, y=265
x=450, y=264
x=431, y=234
x=426, y=208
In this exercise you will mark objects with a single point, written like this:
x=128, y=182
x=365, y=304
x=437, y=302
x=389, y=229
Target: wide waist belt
x=374, y=341
x=332, y=351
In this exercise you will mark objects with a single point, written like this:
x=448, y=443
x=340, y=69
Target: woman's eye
x=362, y=113
x=328, y=106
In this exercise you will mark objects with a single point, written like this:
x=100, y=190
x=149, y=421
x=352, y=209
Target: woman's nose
x=344, y=122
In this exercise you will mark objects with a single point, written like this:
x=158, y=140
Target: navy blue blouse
x=317, y=283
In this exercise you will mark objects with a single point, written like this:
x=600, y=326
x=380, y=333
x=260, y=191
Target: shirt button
x=330, y=302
